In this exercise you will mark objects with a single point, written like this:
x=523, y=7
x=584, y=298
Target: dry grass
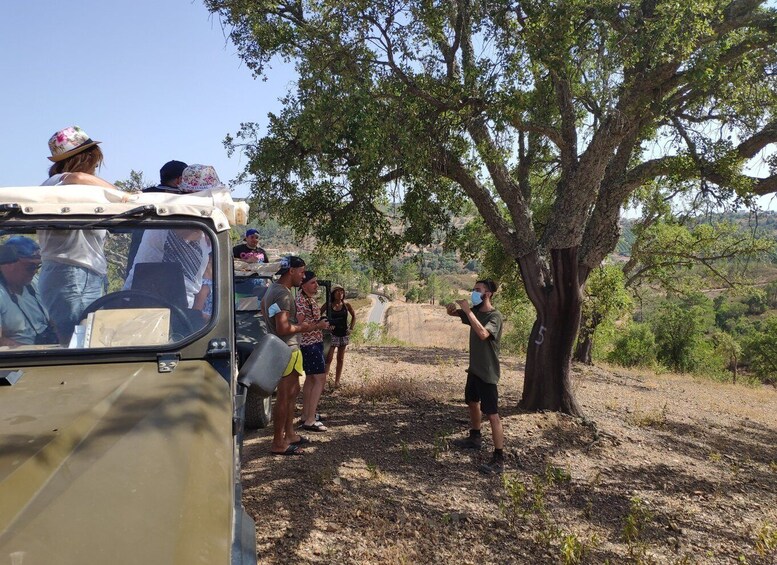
x=425, y=325
x=384, y=484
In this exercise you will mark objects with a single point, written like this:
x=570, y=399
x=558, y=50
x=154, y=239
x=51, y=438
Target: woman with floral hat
x=74, y=266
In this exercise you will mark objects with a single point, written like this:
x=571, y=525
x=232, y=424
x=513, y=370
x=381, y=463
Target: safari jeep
x=120, y=439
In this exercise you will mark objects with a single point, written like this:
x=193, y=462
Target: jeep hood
x=116, y=464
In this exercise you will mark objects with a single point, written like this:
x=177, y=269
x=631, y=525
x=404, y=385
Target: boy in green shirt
x=480, y=393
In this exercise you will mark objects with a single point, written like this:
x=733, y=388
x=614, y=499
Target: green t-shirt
x=278, y=299
x=484, y=353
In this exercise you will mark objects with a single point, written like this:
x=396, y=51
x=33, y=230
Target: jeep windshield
x=75, y=286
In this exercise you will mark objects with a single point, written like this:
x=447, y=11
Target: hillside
x=676, y=470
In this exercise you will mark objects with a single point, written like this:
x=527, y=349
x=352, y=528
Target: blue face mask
x=476, y=298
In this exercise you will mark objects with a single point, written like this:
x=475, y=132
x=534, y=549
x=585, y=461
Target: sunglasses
x=30, y=267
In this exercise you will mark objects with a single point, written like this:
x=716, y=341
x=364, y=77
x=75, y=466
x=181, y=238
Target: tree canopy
x=547, y=116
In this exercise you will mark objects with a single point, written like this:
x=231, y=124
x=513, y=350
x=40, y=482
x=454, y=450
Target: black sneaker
x=494, y=467
x=469, y=442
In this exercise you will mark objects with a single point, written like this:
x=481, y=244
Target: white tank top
x=83, y=248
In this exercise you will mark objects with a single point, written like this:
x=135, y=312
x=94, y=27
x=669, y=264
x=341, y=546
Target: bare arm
x=284, y=327
x=474, y=323
x=353, y=315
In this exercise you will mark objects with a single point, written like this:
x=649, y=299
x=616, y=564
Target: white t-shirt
x=163, y=246
x=83, y=248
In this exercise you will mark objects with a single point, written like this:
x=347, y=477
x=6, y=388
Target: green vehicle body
x=125, y=454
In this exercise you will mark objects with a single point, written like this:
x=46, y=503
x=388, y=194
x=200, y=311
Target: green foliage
x=634, y=524
x=766, y=541
x=771, y=294
x=135, y=182
x=760, y=350
x=756, y=301
x=636, y=347
x=728, y=349
x=382, y=128
x=685, y=254
x=605, y=300
x=728, y=312
x=680, y=328
x=400, y=121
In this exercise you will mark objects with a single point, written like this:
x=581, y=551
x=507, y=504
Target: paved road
x=376, y=313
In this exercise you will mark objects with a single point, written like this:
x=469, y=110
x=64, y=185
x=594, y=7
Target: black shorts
x=487, y=394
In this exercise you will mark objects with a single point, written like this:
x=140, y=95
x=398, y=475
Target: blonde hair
x=86, y=161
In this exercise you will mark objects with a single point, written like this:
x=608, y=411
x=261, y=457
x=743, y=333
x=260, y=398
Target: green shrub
x=760, y=350
x=727, y=313
x=756, y=301
x=635, y=348
x=680, y=329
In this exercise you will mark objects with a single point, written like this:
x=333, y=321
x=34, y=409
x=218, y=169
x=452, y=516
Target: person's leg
x=291, y=435
x=307, y=394
x=340, y=363
x=474, y=440
x=329, y=356
x=489, y=402
x=65, y=291
x=280, y=410
x=497, y=433
x=474, y=415
x=317, y=387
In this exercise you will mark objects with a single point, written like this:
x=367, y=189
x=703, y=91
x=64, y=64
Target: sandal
x=291, y=450
x=301, y=441
x=314, y=427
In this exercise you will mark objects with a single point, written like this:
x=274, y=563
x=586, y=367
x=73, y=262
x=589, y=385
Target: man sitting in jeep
x=23, y=319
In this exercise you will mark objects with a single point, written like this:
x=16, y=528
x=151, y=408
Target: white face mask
x=476, y=298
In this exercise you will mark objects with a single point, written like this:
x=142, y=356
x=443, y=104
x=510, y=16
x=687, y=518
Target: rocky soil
x=665, y=469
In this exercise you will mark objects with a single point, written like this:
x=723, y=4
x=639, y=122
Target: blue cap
x=25, y=247
x=252, y=231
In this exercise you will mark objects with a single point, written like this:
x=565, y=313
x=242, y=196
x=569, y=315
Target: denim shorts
x=66, y=291
x=313, y=358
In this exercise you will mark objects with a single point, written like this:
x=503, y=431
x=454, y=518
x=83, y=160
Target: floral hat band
x=199, y=177
x=68, y=142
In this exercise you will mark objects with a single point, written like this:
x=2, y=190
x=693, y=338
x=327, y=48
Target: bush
x=756, y=301
x=635, y=348
x=760, y=350
x=728, y=313
x=680, y=332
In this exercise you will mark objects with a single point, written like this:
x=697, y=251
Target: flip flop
x=291, y=450
x=301, y=441
x=314, y=427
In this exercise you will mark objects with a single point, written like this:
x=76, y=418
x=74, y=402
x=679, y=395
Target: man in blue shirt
x=23, y=318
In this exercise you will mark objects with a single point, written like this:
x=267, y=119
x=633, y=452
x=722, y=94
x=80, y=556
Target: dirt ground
x=667, y=468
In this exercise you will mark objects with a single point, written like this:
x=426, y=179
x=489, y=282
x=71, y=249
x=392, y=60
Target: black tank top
x=340, y=321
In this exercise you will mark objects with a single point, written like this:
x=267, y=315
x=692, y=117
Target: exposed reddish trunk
x=547, y=383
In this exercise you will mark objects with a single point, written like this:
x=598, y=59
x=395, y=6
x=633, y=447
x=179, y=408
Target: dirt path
x=686, y=468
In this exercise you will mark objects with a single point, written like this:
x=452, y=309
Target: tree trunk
x=585, y=344
x=547, y=383
x=585, y=339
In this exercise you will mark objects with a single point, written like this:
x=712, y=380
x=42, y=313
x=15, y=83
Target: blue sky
x=153, y=80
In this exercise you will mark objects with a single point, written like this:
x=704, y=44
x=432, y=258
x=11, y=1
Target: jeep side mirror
x=265, y=366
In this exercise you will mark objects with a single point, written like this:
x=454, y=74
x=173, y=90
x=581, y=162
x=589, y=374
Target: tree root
x=599, y=435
